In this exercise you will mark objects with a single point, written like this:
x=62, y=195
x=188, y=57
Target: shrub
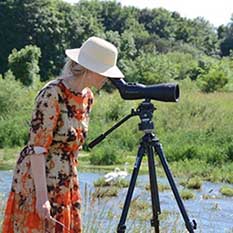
x=106, y=155
x=194, y=183
x=230, y=152
x=187, y=194
x=214, y=80
x=13, y=132
x=10, y=95
x=16, y=103
x=24, y=64
x=227, y=191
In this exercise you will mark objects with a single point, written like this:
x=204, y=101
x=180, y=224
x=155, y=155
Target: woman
x=45, y=194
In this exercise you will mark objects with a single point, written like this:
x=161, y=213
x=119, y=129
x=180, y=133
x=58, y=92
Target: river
x=212, y=215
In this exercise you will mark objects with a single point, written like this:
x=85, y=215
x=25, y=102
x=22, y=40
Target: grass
x=226, y=191
x=192, y=183
x=8, y=157
x=139, y=209
x=105, y=192
x=187, y=194
x=161, y=187
x=120, y=183
x=209, y=196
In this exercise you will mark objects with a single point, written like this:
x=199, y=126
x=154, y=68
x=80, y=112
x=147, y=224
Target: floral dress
x=58, y=130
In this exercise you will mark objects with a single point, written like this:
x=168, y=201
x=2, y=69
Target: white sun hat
x=97, y=55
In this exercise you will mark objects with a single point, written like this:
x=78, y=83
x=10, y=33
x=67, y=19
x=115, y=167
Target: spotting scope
x=167, y=92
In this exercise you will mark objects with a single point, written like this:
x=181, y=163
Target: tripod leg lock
x=194, y=224
x=191, y=226
x=154, y=222
x=121, y=229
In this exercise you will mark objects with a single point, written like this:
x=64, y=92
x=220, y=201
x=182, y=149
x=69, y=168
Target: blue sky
x=215, y=11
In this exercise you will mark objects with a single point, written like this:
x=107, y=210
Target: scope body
x=167, y=92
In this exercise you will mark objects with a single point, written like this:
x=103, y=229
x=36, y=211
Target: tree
x=148, y=69
x=199, y=33
x=158, y=21
x=48, y=24
x=24, y=64
x=226, y=44
x=88, y=17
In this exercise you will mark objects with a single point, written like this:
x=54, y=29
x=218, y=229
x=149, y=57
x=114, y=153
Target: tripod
x=149, y=144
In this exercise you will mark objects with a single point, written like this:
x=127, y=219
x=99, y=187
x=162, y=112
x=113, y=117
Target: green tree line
x=155, y=45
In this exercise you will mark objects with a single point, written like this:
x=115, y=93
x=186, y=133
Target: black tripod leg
x=158, y=148
x=154, y=189
x=121, y=226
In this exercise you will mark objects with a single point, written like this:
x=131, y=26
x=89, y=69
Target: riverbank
x=187, y=168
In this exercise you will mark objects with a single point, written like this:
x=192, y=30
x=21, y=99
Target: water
x=213, y=215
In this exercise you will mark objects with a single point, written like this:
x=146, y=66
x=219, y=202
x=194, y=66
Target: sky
x=217, y=12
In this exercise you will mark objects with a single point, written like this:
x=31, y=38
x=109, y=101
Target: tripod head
x=145, y=112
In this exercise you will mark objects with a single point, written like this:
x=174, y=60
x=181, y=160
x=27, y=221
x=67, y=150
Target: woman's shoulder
x=50, y=89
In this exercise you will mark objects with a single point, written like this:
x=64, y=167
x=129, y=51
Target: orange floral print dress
x=58, y=130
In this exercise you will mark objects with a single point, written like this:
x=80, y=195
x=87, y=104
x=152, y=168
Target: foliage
x=42, y=23
x=226, y=38
x=148, y=69
x=120, y=183
x=214, y=80
x=106, y=155
x=187, y=194
x=24, y=64
x=227, y=191
x=16, y=103
x=12, y=96
x=194, y=183
x=158, y=21
x=54, y=26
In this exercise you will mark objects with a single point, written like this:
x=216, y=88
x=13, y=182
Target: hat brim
x=93, y=65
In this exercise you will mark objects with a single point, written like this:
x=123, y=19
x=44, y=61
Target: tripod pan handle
x=96, y=141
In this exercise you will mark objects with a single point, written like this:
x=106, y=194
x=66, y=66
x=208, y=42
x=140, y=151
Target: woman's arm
x=44, y=121
x=38, y=173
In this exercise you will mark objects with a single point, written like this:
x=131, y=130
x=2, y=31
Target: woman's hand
x=38, y=173
x=43, y=208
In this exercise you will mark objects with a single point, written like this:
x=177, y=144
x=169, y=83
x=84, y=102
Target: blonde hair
x=68, y=69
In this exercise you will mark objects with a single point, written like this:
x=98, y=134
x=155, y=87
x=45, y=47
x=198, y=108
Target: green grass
x=120, y=183
x=161, y=187
x=8, y=157
x=105, y=192
x=226, y=191
x=192, y=183
x=187, y=194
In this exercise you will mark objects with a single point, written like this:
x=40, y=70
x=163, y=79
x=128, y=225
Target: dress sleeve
x=44, y=120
